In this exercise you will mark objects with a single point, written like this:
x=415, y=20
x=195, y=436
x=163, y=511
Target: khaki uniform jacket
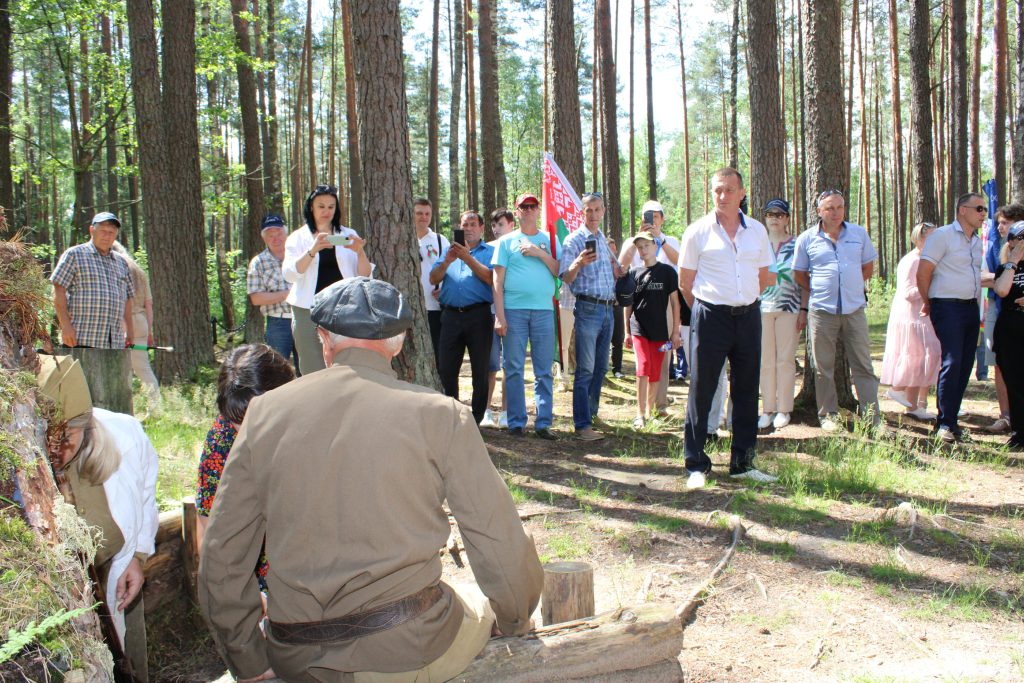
x=345, y=471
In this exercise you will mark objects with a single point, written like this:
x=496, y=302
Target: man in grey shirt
x=949, y=278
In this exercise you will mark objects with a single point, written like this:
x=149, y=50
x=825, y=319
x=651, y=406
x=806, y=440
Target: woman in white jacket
x=310, y=270
x=106, y=467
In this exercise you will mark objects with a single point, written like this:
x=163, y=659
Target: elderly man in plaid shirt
x=268, y=289
x=91, y=287
x=589, y=268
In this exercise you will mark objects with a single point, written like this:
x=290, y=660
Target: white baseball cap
x=652, y=205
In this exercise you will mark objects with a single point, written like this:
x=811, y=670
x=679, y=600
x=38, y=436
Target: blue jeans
x=494, y=364
x=278, y=335
x=537, y=328
x=593, y=335
x=956, y=325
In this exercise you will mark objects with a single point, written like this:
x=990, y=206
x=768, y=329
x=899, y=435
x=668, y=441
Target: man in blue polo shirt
x=590, y=269
x=832, y=263
x=466, y=320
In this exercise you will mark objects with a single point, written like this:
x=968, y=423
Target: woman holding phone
x=309, y=270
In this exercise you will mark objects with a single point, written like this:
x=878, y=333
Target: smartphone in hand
x=459, y=236
x=339, y=240
x=649, y=218
x=591, y=245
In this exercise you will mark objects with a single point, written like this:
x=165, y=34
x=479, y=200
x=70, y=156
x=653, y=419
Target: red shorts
x=649, y=357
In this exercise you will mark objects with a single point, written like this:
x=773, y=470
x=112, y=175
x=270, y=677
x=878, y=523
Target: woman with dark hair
x=313, y=261
x=1009, y=328
x=247, y=372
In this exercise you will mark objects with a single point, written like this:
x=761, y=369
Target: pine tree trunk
x=6, y=92
x=999, y=86
x=109, y=124
x=1018, y=128
x=472, y=166
x=686, y=118
x=379, y=67
x=923, y=188
x=734, y=70
x=959, y=95
x=899, y=205
x=652, y=164
x=172, y=200
x=355, y=164
x=609, y=122
x=767, y=130
x=632, y=126
x=495, y=186
x=826, y=169
x=564, y=104
x=270, y=153
x=433, y=124
x=454, y=114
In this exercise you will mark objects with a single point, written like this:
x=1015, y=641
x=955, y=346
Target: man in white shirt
x=432, y=245
x=723, y=268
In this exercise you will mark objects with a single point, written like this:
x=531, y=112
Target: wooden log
x=620, y=641
x=568, y=592
x=190, y=548
x=165, y=579
x=109, y=374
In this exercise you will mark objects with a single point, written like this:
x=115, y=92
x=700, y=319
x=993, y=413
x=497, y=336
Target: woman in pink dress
x=912, y=352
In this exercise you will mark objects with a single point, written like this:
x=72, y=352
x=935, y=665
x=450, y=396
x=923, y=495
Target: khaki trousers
x=469, y=642
x=825, y=329
x=307, y=342
x=779, y=338
x=566, y=321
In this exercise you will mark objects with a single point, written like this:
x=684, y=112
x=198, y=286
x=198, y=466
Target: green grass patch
x=781, y=552
x=662, y=523
x=836, y=577
x=588, y=495
x=567, y=546
x=893, y=573
x=969, y=603
x=519, y=494
x=874, y=533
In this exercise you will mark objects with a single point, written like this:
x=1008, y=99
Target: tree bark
x=999, y=86
x=827, y=163
x=379, y=67
x=454, y=115
x=923, y=188
x=6, y=93
x=767, y=129
x=472, y=168
x=355, y=164
x=564, y=88
x=252, y=244
x=495, y=192
x=1018, y=128
x=974, y=149
x=959, y=95
x=609, y=122
x=172, y=203
x=734, y=70
x=686, y=118
x=270, y=153
x=110, y=125
x=899, y=204
x=433, y=123
x=652, y=164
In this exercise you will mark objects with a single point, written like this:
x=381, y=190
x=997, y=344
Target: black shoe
x=516, y=431
x=546, y=434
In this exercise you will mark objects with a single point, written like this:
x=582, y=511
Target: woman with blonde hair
x=142, y=324
x=106, y=467
x=913, y=356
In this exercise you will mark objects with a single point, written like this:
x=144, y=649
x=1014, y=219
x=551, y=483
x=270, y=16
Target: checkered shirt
x=98, y=287
x=264, y=275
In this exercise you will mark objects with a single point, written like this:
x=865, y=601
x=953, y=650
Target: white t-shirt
x=429, y=254
x=727, y=271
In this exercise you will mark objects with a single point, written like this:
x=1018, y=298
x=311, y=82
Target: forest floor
x=831, y=582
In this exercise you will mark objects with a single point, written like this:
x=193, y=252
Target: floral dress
x=218, y=444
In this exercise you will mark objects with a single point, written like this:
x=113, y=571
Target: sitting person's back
x=346, y=471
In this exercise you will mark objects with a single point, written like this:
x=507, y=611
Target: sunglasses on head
x=322, y=189
x=829, y=193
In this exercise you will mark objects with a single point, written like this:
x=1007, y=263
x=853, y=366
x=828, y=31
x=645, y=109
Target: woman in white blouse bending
x=106, y=467
x=310, y=270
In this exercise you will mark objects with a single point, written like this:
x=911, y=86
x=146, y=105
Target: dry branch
x=686, y=611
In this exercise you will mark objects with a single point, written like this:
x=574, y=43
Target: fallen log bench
x=624, y=640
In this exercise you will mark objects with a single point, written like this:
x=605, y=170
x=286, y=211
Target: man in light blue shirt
x=832, y=264
x=525, y=268
x=590, y=269
x=466, y=320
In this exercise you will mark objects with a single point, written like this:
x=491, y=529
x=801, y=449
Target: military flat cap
x=362, y=308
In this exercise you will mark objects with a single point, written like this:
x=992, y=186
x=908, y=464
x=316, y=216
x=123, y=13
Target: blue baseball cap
x=777, y=204
x=272, y=220
x=105, y=217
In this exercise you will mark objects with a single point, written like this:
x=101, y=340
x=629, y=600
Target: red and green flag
x=561, y=213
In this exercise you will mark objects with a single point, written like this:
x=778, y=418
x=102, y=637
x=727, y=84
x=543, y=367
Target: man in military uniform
x=344, y=473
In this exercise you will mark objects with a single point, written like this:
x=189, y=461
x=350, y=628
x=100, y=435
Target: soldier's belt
x=357, y=624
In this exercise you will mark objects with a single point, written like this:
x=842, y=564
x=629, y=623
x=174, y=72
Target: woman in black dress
x=1009, y=331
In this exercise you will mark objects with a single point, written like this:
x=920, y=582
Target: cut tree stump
x=568, y=592
x=587, y=649
x=109, y=374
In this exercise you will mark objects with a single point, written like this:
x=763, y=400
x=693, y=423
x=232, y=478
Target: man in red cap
x=525, y=269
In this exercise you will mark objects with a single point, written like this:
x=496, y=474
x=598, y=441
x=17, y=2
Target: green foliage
x=18, y=639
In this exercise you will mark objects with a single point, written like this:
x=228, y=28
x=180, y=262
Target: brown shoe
x=588, y=434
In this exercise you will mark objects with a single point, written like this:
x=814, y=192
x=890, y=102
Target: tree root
x=688, y=609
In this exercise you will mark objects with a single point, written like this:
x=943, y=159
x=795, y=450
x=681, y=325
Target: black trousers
x=1008, y=333
x=434, y=322
x=461, y=331
x=618, y=332
x=717, y=334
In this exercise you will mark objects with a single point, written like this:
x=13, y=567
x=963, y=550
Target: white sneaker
x=831, y=424
x=696, y=480
x=921, y=414
x=765, y=421
x=781, y=420
x=962, y=412
x=755, y=475
x=503, y=420
x=899, y=397
x=488, y=421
